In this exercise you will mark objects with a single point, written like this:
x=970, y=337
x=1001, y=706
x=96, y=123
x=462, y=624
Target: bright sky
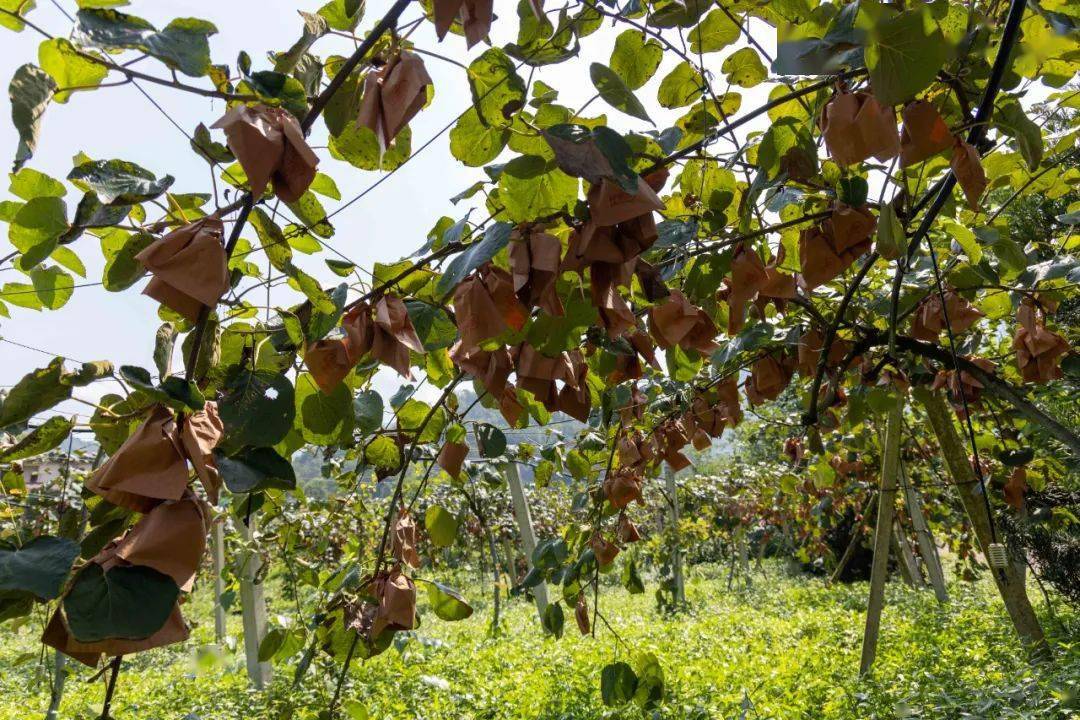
x=389, y=223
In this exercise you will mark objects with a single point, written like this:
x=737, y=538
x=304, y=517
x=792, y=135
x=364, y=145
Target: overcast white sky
x=389, y=223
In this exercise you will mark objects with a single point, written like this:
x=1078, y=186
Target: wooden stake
x=525, y=531
x=890, y=464
x=909, y=570
x=927, y=548
x=1009, y=582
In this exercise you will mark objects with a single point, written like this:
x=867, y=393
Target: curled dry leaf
x=535, y=258
x=393, y=95
x=925, y=134
x=451, y=458
x=615, y=314
x=537, y=373
x=269, y=144
x=627, y=532
x=680, y=322
x=189, y=267
x=1016, y=488
x=403, y=539
x=581, y=614
x=628, y=365
x=389, y=336
x=622, y=487
x=963, y=386
x=57, y=635
x=605, y=551
x=475, y=17
x=767, y=380
x=171, y=538
x=485, y=306
x=491, y=368
x=929, y=319
x=856, y=126
x=509, y=406
x=328, y=361
x=969, y=172
x=1039, y=351
x=396, y=594
x=148, y=468
x=748, y=276
x=575, y=399
x=200, y=434
x=672, y=438
x=826, y=250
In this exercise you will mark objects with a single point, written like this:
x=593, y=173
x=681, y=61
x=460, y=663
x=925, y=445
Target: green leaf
x=254, y=469
x=36, y=229
x=433, y=326
x=38, y=390
x=631, y=580
x=680, y=87
x=325, y=186
x=496, y=236
x=272, y=240
x=68, y=68
x=1011, y=119
x=384, y=453
x=323, y=419
x=744, y=68
x=310, y=212
x=45, y=437
x=618, y=683
x=29, y=184
x=634, y=58
x=615, y=92
x=447, y=603
x=966, y=239
x=17, y=8
x=126, y=602
x=358, y=146
x=553, y=619
x=122, y=270
x=368, y=408
x=30, y=91
x=905, y=56
x=39, y=568
x=715, y=32
x=88, y=373
x=475, y=143
x=441, y=526
x=118, y=182
x=343, y=14
x=257, y=407
x=490, y=440
x=531, y=187
x=498, y=92
x=411, y=416
x=891, y=239
x=183, y=45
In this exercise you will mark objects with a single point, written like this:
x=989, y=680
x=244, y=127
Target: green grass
x=787, y=648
